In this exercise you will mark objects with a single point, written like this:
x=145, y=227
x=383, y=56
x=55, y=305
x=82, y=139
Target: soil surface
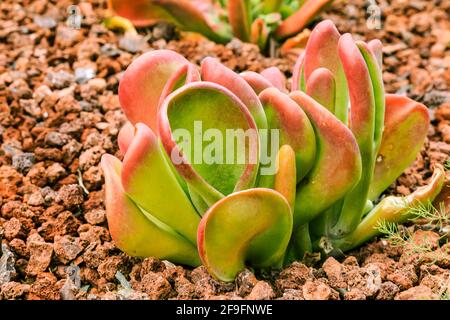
x=59, y=112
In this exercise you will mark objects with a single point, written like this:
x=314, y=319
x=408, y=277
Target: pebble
x=23, y=161
x=14, y=290
x=417, y=293
x=56, y=139
x=90, y=157
x=133, y=43
x=7, y=262
x=55, y=172
x=44, y=21
x=70, y=196
x=83, y=75
x=60, y=79
x=67, y=248
x=97, y=84
x=316, y=290
x=110, y=50
x=261, y=291
x=41, y=253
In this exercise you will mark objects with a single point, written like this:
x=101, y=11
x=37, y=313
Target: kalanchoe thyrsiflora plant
x=336, y=142
x=220, y=20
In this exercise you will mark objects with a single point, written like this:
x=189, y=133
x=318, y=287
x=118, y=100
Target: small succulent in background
x=249, y=20
x=307, y=176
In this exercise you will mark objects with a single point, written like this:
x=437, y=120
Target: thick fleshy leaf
x=148, y=180
x=125, y=137
x=212, y=70
x=300, y=19
x=259, y=33
x=322, y=88
x=141, y=13
x=294, y=127
x=285, y=181
x=373, y=62
x=322, y=51
x=133, y=231
x=251, y=226
x=239, y=16
x=377, y=49
x=298, y=74
x=362, y=123
x=294, y=46
x=143, y=82
x=197, y=16
x=405, y=128
x=392, y=209
x=338, y=163
x=256, y=81
x=199, y=125
x=186, y=74
x=275, y=77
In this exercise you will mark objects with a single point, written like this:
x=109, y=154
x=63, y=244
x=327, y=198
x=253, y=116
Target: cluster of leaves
x=342, y=143
x=220, y=20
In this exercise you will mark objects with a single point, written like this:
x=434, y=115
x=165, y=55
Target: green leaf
x=239, y=16
x=301, y=18
x=405, y=128
x=148, y=180
x=132, y=230
x=393, y=210
x=213, y=71
x=194, y=111
x=338, y=163
x=248, y=227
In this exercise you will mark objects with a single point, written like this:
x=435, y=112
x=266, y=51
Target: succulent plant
x=306, y=176
x=249, y=20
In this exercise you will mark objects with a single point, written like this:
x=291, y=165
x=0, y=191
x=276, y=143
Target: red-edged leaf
x=300, y=19
x=143, y=82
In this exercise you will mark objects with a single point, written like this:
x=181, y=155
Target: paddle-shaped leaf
x=141, y=13
x=297, y=21
x=197, y=16
x=133, y=231
x=239, y=16
x=338, y=163
x=285, y=181
x=362, y=123
x=405, y=128
x=259, y=33
x=275, y=77
x=149, y=181
x=186, y=74
x=322, y=52
x=294, y=126
x=256, y=81
x=211, y=139
x=251, y=226
x=322, y=88
x=143, y=82
x=212, y=70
